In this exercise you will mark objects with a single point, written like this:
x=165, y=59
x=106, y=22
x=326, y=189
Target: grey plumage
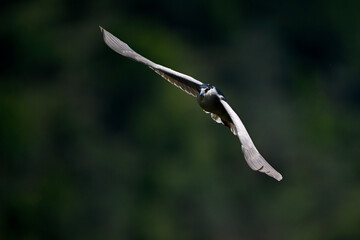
x=209, y=98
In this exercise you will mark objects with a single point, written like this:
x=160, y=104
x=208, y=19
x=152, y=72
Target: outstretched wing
x=251, y=154
x=182, y=81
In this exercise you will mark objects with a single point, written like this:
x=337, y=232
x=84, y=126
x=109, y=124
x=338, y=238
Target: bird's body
x=210, y=99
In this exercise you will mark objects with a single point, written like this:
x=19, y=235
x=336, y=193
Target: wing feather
x=184, y=82
x=251, y=154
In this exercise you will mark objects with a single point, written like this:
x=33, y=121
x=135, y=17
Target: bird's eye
x=206, y=90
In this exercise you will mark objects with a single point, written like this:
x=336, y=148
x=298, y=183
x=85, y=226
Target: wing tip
x=278, y=177
x=272, y=173
x=101, y=29
x=258, y=163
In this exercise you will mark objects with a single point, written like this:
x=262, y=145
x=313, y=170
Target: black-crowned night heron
x=210, y=99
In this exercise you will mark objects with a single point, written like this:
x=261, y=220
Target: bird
x=210, y=99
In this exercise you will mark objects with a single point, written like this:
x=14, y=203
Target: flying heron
x=210, y=99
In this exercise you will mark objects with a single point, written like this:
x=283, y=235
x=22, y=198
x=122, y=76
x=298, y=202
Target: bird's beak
x=202, y=92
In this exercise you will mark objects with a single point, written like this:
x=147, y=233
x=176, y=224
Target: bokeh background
x=94, y=146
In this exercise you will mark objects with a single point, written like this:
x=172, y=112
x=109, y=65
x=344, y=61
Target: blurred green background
x=95, y=146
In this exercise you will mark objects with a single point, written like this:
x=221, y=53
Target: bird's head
x=209, y=90
x=203, y=89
